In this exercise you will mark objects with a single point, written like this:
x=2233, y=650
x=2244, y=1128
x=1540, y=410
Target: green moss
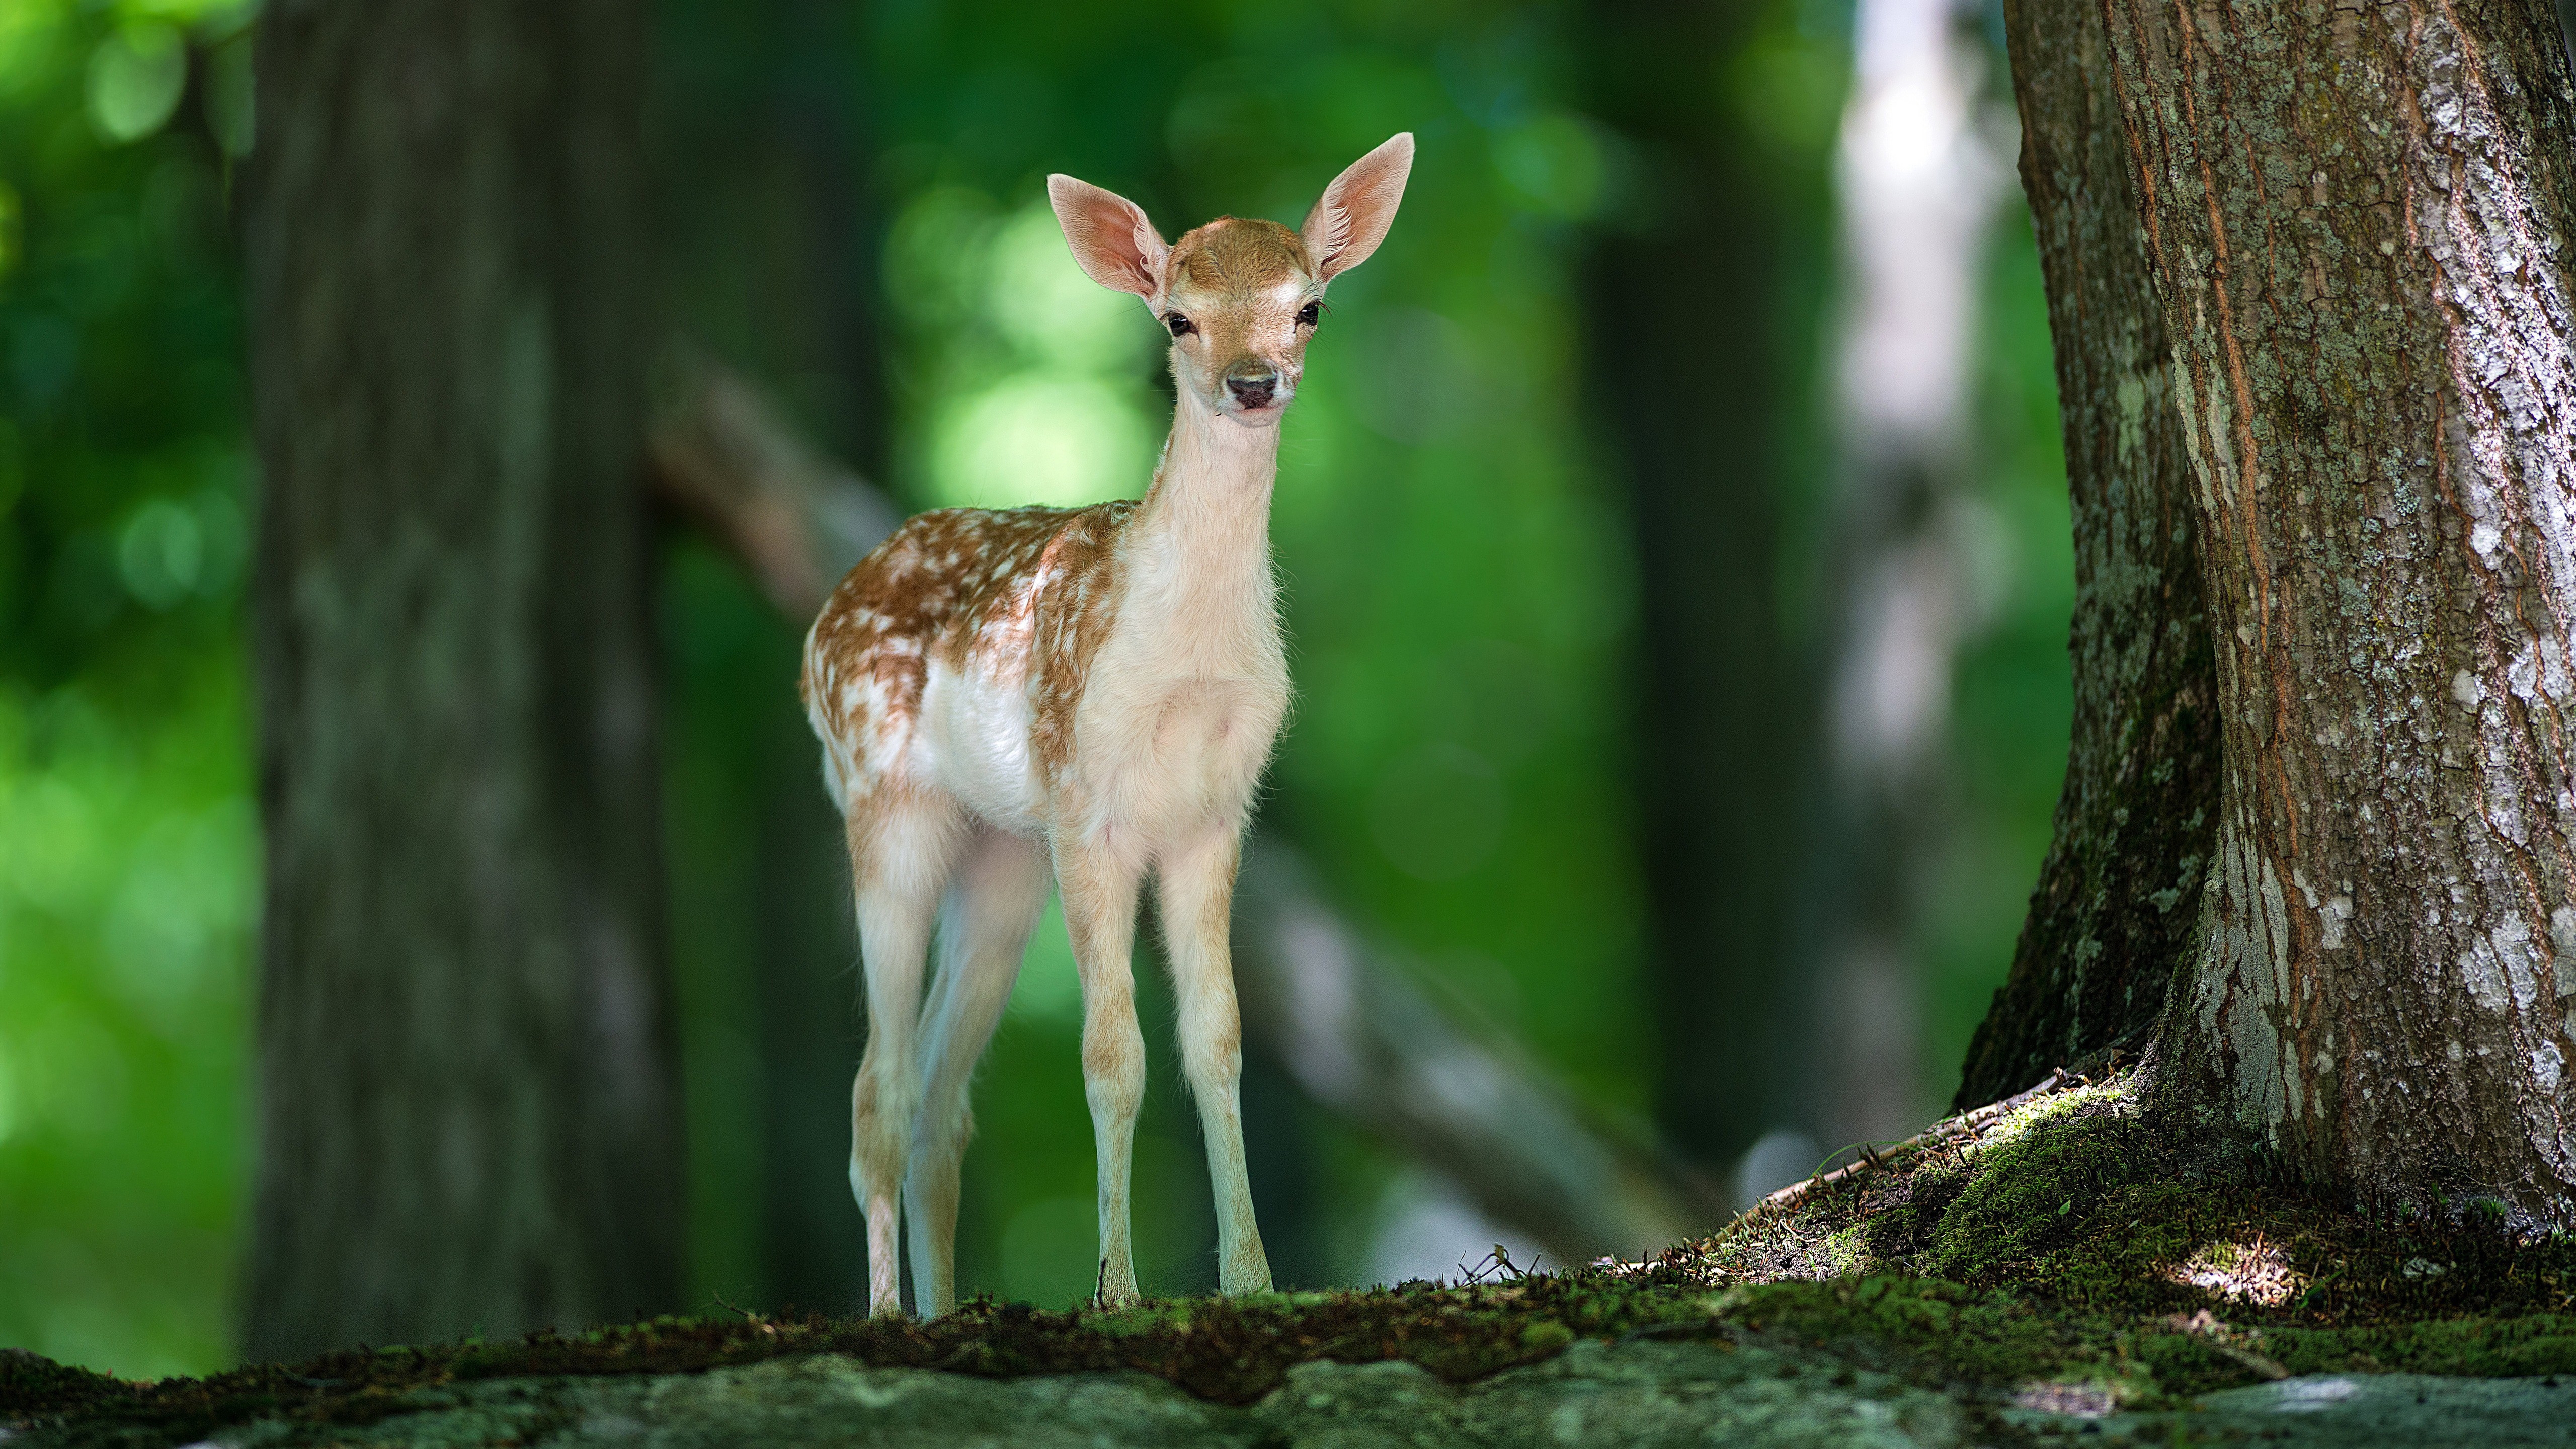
x=2019, y=1207
x=2539, y=1343
x=2078, y=1200
x=27, y=1378
x=1546, y=1334
x=1938, y=1332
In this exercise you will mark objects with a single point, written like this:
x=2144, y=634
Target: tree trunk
x=2358, y=221
x=813, y=1247
x=2114, y=913
x=1691, y=375
x=466, y=1105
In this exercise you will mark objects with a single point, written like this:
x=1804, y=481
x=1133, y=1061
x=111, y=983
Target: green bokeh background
x=850, y=207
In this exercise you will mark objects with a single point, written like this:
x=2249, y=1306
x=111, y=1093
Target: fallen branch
x=1372, y=1047
x=719, y=455
x=1358, y=1037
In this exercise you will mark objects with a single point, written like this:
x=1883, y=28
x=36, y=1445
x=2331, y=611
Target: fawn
x=1093, y=688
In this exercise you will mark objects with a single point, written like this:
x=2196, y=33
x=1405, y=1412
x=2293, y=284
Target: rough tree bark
x=2359, y=223
x=465, y=1089
x=2114, y=912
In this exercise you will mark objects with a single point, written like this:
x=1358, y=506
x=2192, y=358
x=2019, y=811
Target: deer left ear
x=1353, y=214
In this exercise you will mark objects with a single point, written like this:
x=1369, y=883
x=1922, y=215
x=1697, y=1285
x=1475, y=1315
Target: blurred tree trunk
x=466, y=1107
x=1686, y=355
x=2360, y=223
x=2114, y=910
x=1917, y=182
x=813, y=1243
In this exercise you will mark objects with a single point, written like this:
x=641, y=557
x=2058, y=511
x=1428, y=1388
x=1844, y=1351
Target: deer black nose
x=1254, y=390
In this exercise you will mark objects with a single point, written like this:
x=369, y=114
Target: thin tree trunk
x=466, y=1107
x=2359, y=222
x=2116, y=907
x=1693, y=380
x=1917, y=182
x=811, y=1253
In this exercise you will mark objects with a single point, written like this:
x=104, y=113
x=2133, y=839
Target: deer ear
x=1352, y=215
x=1111, y=239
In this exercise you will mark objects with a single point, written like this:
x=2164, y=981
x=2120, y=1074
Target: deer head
x=1240, y=298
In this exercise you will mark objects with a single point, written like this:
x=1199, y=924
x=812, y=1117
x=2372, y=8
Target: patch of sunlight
x=59, y=841
x=28, y=29
x=216, y=17
x=2080, y=1400
x=2255, y=1272
x=934, y=255
x=1037, y=297
x=1041, y=438
x=182, y=909
x=135, y=80
x=2051, y=1107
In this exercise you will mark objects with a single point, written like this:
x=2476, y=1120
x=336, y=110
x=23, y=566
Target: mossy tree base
x=2046, y=1265
x=2072, y=1195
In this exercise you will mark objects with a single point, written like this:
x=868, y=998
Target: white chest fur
x=1182, y=706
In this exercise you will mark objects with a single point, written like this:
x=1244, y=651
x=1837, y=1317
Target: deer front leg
x=1100, y=915
x=1195, y=891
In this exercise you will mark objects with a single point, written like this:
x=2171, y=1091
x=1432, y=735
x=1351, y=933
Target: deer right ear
x=1111, y=239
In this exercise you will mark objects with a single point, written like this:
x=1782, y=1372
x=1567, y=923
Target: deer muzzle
x=1252, y=383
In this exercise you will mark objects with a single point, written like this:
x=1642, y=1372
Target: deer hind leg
x=901, y=848
x=1195, y=892
x=1100, y=914
x=984, y=925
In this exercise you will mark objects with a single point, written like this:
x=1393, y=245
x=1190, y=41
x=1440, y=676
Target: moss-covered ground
x=2055, y=1251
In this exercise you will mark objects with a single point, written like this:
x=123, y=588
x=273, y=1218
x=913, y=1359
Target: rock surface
x=1745, y=1393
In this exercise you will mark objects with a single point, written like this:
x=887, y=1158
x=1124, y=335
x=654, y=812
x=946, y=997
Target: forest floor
x=2044, y=1266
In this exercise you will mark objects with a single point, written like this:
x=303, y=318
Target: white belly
x=976, y=734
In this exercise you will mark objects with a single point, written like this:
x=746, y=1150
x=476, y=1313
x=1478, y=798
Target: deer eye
x=1181, y=326
x=1310, y=314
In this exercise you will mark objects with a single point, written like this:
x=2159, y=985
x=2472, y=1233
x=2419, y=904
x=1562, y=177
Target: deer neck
x=1200, y=544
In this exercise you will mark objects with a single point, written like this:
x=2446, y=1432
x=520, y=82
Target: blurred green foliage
x=851, y=206
x=128, y=865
